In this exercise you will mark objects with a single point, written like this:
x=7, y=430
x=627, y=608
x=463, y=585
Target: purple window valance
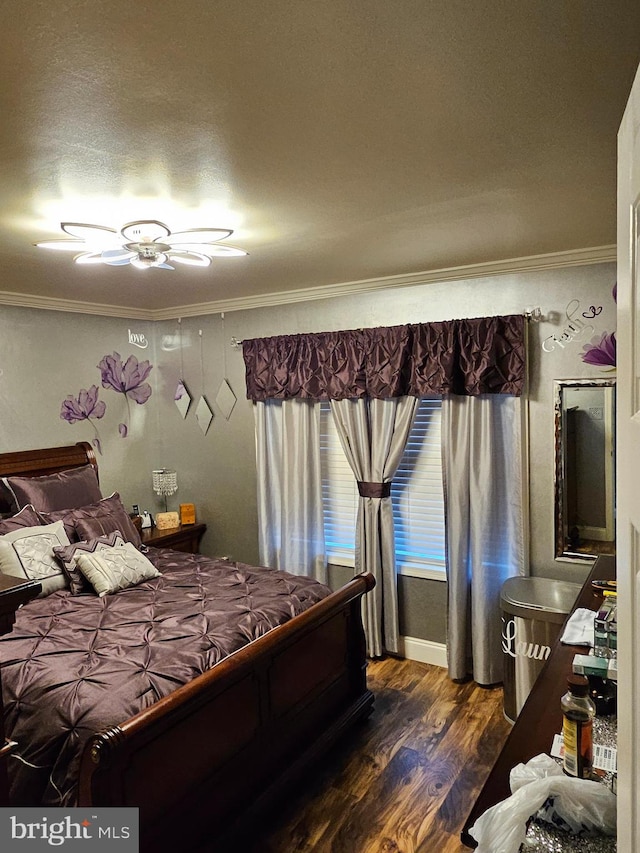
x=485, y=355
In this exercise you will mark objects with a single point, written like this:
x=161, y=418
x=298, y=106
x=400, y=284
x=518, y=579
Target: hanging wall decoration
x=225, y=398
x=204, y=415
x=182, y=397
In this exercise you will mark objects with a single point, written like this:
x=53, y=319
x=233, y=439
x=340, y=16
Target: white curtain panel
x=290, y=522
x=373, y=434
x=483, y=472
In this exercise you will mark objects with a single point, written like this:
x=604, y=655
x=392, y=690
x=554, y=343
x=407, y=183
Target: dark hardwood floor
x=406, y=779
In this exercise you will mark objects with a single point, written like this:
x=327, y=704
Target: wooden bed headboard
x=49, y=460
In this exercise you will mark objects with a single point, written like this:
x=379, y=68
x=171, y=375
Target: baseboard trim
x=424, y=651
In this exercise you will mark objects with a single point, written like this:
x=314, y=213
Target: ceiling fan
x=143, y=244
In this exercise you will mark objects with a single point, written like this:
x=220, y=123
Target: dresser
x=540, y=718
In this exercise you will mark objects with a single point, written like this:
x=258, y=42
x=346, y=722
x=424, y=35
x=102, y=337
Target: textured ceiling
x=341, y=140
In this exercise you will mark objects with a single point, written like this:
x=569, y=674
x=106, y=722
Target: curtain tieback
x=374, y=490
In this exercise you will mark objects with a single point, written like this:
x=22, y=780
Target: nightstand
x=14, y=592
x=185, y=537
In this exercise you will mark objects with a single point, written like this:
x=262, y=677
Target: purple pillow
x=89, y=522
x=68, y=489
x=27, y=517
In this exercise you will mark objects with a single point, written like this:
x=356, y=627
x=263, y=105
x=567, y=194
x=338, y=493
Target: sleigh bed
x=154, y=697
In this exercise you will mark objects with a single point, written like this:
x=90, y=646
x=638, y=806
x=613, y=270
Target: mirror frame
x=561, y=553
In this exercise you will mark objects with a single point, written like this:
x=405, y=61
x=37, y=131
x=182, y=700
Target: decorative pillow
x=89, y=522
x=27, y=517
x=67, y=556
x=63, y=490
x=113, y=569
x=28, y=553
x=7, y=501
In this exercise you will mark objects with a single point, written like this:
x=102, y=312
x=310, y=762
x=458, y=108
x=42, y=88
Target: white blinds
x=339, y=493
x=417, y=496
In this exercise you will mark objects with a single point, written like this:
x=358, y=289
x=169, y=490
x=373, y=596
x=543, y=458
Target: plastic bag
x=577, y=805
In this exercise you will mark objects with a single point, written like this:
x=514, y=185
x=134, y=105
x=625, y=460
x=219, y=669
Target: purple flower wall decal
x=126, y=378
x=601, y=352
x=84, y=407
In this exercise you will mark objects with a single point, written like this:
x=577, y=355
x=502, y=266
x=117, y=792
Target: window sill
x=425, y=573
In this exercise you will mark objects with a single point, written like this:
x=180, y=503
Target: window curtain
x=485, y=355
x=373, y=434
x=483, y=473
x=290, y=522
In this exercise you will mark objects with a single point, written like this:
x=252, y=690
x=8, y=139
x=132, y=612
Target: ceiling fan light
x=141, y=263
x=144, y=231
x=62, y=245
x=93, y=235
x=145, y=261
x=148, y=243
x=223, y=251
x=192, y=259
x=212, y=250
x=200, y=235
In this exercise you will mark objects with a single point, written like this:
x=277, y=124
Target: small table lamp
x=165, y=483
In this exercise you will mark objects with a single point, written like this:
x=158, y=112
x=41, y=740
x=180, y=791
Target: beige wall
x=55, y=354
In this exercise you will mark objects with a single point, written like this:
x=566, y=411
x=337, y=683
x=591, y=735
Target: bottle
x=578, y=712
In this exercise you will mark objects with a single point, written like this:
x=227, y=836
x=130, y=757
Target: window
x=416, y=494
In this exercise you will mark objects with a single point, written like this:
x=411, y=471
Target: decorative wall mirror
x=585, y=468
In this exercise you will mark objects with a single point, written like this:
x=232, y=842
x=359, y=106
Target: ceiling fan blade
x=199, y=235
x=111, y=255
x=120, y=262
x=89, y=258
x=93, y=235
x=112, y=258
x=144, y=231
x=164, y=267
x=212, y=250
x=193, y=259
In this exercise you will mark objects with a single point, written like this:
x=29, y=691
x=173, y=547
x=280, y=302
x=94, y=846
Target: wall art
x=575, y=328
x=182, y=398
x=601, y=351
x=84, y=407
x=204, y=415
x=126, y=378
x=138, y=339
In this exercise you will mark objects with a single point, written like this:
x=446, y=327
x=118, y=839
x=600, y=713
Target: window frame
x=330, y=444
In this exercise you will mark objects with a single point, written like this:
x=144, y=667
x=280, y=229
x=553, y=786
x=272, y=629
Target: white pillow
x=28, y=553
x=112, y=569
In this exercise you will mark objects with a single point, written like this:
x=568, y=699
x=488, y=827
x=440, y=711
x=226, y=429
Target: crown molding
x=531, y=263
x=46, y=303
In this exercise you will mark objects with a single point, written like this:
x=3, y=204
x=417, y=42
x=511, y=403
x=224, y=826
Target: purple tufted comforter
x=73, y=665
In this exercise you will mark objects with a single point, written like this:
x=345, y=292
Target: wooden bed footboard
x=200, y=761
